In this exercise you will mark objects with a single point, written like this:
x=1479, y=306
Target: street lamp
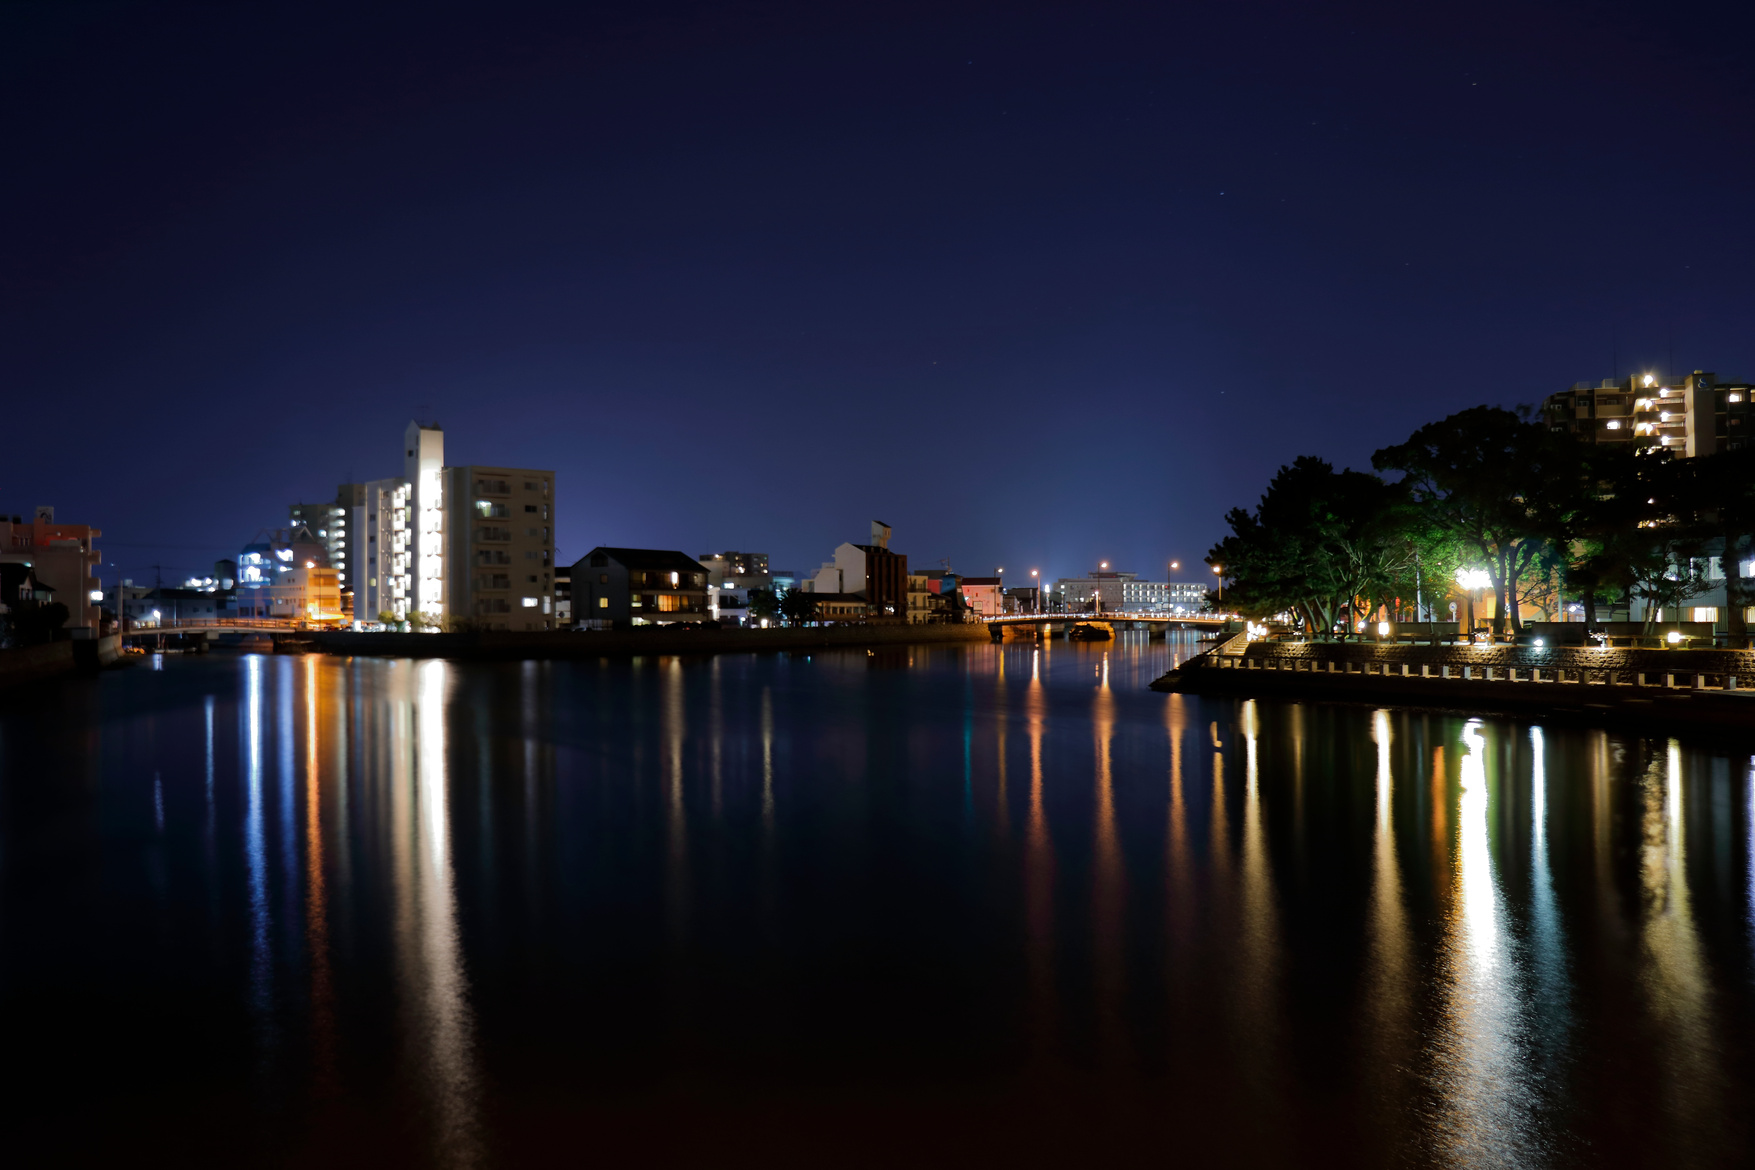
x=1471, y=580
x=1220, y=570
x=1036, y=588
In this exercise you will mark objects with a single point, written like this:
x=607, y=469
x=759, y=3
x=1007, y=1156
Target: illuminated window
x=603, y=603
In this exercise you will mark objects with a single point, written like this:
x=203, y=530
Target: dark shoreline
x=515, y=646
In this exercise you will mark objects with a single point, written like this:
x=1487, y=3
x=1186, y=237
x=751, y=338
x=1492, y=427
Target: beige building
x=1692, y=414
x=500, y=527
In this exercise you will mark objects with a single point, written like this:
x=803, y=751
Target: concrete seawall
x=510, y=645
x=35, y=663
x=1702, y=688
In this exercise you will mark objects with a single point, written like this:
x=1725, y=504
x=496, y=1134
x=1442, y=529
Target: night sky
x=1037, y=284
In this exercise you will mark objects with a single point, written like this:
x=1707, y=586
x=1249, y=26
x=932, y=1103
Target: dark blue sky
x=1037, y=284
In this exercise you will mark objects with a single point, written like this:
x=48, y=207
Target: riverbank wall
x=1703, y=688
x=506, y=645
x=29, y=664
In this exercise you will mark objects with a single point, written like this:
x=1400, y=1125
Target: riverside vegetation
x=1547, y=519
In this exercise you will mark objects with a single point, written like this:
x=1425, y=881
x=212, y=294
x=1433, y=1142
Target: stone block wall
x=1522, y=658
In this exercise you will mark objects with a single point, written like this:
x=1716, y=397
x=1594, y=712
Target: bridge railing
x=1110, y=616
x=169, y=625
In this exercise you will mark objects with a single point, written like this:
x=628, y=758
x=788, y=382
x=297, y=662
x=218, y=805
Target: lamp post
x=1036, y=588
x=1472, y=580
x=1220, y=570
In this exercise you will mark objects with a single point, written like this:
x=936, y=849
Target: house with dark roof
x=616, y=587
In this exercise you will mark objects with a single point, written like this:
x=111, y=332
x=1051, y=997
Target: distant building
x=563, y=596
x=728, y=605
x=62, y=558
x=1691, y=414
x=271, y=556
x=1101, y=590
x=1164, y=596
x=730, y=577
x=1023, y=599
x=739, y=570
x=328, y=523
x=870, y=571
x=164, y=605
x=638, y=586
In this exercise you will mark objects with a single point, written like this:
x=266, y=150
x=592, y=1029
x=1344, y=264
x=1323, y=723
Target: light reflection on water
x=466, y=913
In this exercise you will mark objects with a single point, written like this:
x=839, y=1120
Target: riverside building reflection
x=460, y=914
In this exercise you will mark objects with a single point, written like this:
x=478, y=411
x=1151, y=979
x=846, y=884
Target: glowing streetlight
x=1037, y=589
x=1472, y=580
x=1220, y=570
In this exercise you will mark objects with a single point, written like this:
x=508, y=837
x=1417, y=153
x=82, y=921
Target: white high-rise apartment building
x=453, y=542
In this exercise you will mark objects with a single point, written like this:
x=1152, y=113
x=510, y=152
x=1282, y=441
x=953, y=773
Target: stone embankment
x=1697, y=687
x=518, y=645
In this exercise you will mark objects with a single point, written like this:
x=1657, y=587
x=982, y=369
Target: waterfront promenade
x=1693, y=687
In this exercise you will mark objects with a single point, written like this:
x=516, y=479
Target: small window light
x=1614, y=424
x=1734, y=397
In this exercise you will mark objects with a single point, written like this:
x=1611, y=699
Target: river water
x=972, y=905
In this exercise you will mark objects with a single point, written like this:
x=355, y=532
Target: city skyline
x=1063, y=287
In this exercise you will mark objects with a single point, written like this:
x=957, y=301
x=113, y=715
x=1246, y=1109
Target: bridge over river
x=1148, y=619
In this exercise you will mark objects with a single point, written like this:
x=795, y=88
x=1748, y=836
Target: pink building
x=982, y=596
x=63, y=558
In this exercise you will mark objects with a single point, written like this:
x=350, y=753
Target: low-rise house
x=639, y=587
x=832, y=608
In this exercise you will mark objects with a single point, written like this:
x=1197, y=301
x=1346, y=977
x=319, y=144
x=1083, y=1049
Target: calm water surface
x=984, y=905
